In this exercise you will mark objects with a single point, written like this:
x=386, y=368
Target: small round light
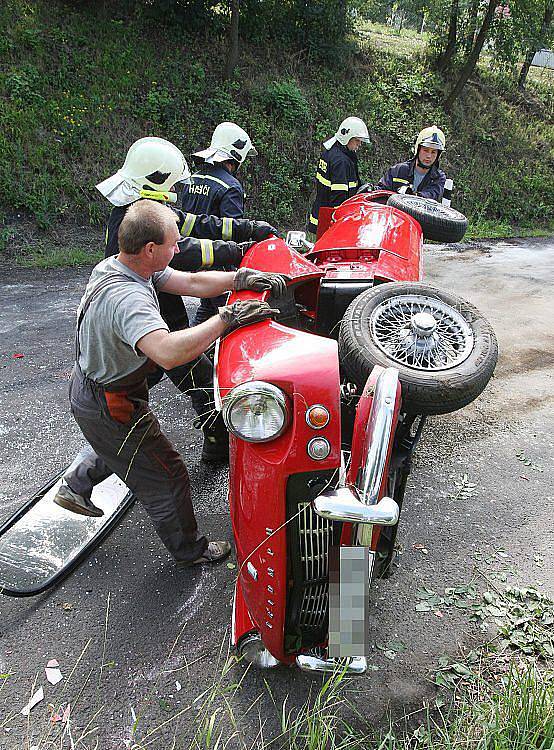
x=317, y=417
x=319, y=449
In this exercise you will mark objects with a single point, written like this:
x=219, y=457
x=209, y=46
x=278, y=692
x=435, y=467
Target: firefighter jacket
x=431, y=186
x=337, y=179
x=214, y=191
x=208, y=247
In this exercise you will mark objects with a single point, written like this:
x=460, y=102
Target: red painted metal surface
x=360, y=438
x=365, y=241
x=368, y=240
x=259, y=471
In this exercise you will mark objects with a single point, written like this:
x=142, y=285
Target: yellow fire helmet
x=152, y=164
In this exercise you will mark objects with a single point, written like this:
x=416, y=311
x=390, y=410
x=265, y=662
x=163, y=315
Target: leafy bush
x=80, y=82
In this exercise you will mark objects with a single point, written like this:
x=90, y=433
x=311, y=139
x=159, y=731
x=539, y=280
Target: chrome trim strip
x=218, y=404
x=378, y=435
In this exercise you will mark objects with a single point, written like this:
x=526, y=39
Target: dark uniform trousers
x=125, y=438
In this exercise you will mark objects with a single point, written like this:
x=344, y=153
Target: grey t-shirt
x=116, y=319
x=418, y=177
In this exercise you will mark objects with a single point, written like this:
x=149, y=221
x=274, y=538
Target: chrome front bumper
x=352, y=666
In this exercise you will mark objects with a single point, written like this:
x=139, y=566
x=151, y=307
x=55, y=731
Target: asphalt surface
x=138, y=641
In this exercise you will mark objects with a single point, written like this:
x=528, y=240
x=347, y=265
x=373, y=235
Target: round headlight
x=256, y=411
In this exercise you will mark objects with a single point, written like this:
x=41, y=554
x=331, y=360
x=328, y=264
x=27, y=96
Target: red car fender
x=259, y=472
x=359, y=438
x=387, y=241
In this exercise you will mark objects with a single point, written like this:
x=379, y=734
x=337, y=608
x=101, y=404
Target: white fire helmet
x=152, y=165
x=431, y=137
x=352, y=127
x=229, y=141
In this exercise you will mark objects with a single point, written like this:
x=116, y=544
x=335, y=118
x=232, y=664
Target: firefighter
x=420, y=175
x=337, y=176
x=215, y=190
x=153, y=166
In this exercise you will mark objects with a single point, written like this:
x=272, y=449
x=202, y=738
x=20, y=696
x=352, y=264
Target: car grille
x=308, y=540
x=315, y=535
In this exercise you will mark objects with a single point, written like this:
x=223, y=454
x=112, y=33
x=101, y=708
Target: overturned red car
x=325, y=406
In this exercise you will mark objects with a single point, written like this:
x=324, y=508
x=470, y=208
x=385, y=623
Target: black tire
x=439, y=223
x=424, y=391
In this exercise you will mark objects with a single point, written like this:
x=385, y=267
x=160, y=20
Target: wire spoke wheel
x=421, y=332
x=445, y=351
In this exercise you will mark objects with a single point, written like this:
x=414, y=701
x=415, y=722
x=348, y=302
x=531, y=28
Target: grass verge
x=60, y=258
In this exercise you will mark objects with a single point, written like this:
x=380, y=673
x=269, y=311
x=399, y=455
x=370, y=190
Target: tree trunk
x=445, y=59
x=471, y=26
x=473, y=57
x=537, y=43
x=233, y=40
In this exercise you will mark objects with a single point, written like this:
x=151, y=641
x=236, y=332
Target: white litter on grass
x=178, y=685
x=36, y=698
x=53, y=673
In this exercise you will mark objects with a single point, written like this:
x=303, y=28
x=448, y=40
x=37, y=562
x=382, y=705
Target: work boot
x=215, y=449
x=215, y=552
x=216, y=442
x=66, y=498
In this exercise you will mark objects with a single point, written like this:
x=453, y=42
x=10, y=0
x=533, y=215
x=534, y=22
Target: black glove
x=245, y=312
x=261, y=230
x=237, y=250
x=367, y=187
x=259, y=281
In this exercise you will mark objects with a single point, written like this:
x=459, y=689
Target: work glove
x=237, y=251
x=259, y=281
x=406, y=190
x=261, y=230
x=367, y=187
x=245, y=312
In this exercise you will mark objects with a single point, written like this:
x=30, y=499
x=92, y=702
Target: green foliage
x=285, y=99
x=80, y=82
x=61, y=258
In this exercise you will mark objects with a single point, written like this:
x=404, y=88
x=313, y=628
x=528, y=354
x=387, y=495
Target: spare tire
x=438, y=222
x=443, y=348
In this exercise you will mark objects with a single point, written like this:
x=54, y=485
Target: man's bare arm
x=172, y=349
x=200, y=284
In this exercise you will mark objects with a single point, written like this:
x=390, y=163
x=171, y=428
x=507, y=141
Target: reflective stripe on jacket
x=431, y=186
x=336, y=179
x=204, y=250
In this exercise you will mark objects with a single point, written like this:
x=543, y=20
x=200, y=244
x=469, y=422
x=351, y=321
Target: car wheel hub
x=422, y=333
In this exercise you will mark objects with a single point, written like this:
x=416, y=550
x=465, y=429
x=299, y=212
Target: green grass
x=385, y=39
x=492, y=230
x=60, y=258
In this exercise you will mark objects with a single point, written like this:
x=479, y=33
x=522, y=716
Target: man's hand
x=261, y=230
x=258, y=281
x=245, y=312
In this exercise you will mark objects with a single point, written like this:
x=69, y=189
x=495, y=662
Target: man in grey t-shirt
x=120, y=337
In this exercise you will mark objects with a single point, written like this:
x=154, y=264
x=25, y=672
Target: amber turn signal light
x=317, y=417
